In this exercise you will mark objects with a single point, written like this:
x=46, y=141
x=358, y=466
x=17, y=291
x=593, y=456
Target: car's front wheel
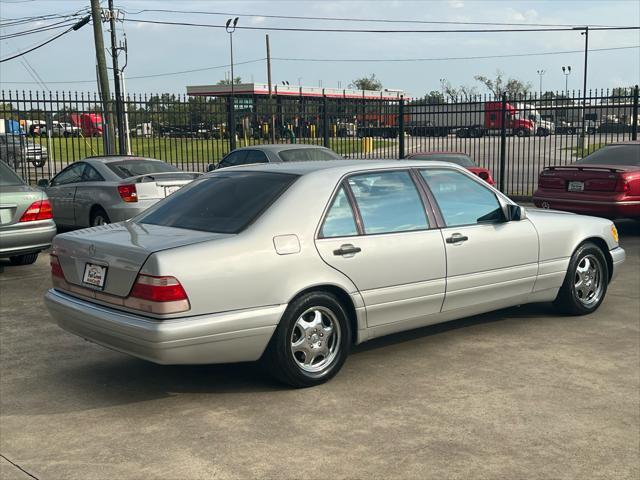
x=312, y=341
x=586, y=281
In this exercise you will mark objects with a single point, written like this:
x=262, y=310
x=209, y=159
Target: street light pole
x=566, y=71
x=584, y=84
x=541, y=73
x=231, y=27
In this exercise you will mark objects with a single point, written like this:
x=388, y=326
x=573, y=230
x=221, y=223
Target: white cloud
x=456, y=3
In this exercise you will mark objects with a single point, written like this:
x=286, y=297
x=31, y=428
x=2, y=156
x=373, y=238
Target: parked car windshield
x=461, y=160
x=308, y=155
x=133, y=168
x=614, y=155
x=8, y=177
x=223, y=203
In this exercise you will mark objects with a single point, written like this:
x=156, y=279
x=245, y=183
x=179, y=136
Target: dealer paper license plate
x=576, y=186
x=94, y=275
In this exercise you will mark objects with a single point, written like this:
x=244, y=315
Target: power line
x=364, y=20
x=363, y=60
x=44, y=28
x=351, y=30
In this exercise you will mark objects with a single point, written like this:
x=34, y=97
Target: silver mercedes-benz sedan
x=99, y=190
x=296, y=262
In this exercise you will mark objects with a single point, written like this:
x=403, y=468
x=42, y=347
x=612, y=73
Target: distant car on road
x=461, y=159
x=12, y=150
x=26, y=221
x=276, y=153
x=605, y=183
x=100, y=190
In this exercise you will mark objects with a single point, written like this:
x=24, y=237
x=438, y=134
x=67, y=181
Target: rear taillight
x=56, y=269
x=547, y=181
x=128, y=193
x=622, y=185
x=484, y=176
x=40, y=210
x=160, y=295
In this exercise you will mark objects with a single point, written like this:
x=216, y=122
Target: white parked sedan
x=296, y=262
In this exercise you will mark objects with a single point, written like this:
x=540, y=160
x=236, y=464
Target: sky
x=69, y=62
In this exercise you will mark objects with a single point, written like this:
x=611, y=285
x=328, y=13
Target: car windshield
x=461, y=160
x=308, y=155
x=8, y=178
x=614, y=155
x=134, y=168
x=223, y=203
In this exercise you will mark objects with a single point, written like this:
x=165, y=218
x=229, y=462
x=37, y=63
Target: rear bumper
x=236, y=336
x=124, y=211
x=26, y=238
x=602, y=208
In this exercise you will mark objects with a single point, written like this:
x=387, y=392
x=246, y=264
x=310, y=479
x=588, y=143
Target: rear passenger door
x=378, y=233
x=88, y=193
x=491, y=262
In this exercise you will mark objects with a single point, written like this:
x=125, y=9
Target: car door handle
x=347, y=249
x=457, y=238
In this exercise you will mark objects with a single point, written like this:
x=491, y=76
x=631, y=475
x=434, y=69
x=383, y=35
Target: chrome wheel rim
x=99, y=220
x=315, y=339
x=587, y=283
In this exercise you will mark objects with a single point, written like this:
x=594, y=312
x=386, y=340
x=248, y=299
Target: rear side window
x=234, y=158
x=461, y=160
x=256, y=156
x=308, y=155
x=388, y=202
x=134, y=168
x=339, y=221
x=614, y=155
x=222, y=203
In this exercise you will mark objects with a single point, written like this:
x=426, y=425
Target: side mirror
x=43, y=183
x=211, y=167
x=516, y=213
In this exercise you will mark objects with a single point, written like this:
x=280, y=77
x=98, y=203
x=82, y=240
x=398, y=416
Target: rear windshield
x=133, y=168
x=223, y=203
x=614, y=155
x=461, y=160
x=308, y=155
x=8, y=177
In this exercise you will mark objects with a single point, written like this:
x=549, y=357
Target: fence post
x=634, y=128
x=503, y=142
x=325, y=120
x=401, y=127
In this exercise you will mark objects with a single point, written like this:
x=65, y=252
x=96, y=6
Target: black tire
x=571, y=299
x=99, y=217
x=26, y=259
x=521, y=132
x=38, y=163
x=279, y=357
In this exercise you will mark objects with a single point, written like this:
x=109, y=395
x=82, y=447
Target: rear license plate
x=6, y=214
x=171, y=189
x=575, y=186
x=94, y=275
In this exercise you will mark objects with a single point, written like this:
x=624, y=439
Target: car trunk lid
x=159, y=185
x=14, y=201
x=582, y=178
x=121, y=249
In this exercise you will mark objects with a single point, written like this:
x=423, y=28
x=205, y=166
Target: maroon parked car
x=461, y=159
x=605, y=183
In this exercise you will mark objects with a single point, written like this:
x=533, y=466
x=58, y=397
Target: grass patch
x=583, y=152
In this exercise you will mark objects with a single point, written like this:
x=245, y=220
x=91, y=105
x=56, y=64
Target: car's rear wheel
x=586, y=281
x=27, y=259
x=312, y=341
x=99, y=217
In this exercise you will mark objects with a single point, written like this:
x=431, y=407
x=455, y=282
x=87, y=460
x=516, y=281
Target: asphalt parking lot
x=519, y=393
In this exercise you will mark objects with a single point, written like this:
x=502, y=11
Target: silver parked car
x=295, y=263
x=101, y=190
x=26, y=225
x=276, y=153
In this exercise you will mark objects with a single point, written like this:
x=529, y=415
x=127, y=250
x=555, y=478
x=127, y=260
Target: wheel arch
x=94, y=208
x=343, y=297
x=602, y=245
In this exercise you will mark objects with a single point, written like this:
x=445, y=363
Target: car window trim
x=471, y=177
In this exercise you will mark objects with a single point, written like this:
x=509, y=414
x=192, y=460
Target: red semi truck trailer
x=90, y=123
x=470, y=119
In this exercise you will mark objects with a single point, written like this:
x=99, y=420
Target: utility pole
x=584, y=85
x=541, y=73
x=103, y=79
x=272, y=127
x=230, y=27
x=122, y=148
x=566, y=71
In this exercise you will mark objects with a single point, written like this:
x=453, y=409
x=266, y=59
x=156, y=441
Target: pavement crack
x=19, y=467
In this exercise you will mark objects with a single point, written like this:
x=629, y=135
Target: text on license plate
x=171, y=189
x=94, y=275
x=576, y=186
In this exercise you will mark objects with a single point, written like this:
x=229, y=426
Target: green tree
x=367, y=83
x=433, y=98
x=227, y=81
x=499, y=85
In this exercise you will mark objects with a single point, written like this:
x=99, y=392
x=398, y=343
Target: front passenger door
x=491, y=263
x=62, y=191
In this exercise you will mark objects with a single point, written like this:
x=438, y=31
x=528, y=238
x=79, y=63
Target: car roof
x=338, y=167
x=278, y=147
x=439, y=153
x=118, y=158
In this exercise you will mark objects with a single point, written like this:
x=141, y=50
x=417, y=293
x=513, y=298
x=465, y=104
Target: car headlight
x=614, y=232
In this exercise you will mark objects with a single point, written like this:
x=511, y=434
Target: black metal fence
x=514, y=137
